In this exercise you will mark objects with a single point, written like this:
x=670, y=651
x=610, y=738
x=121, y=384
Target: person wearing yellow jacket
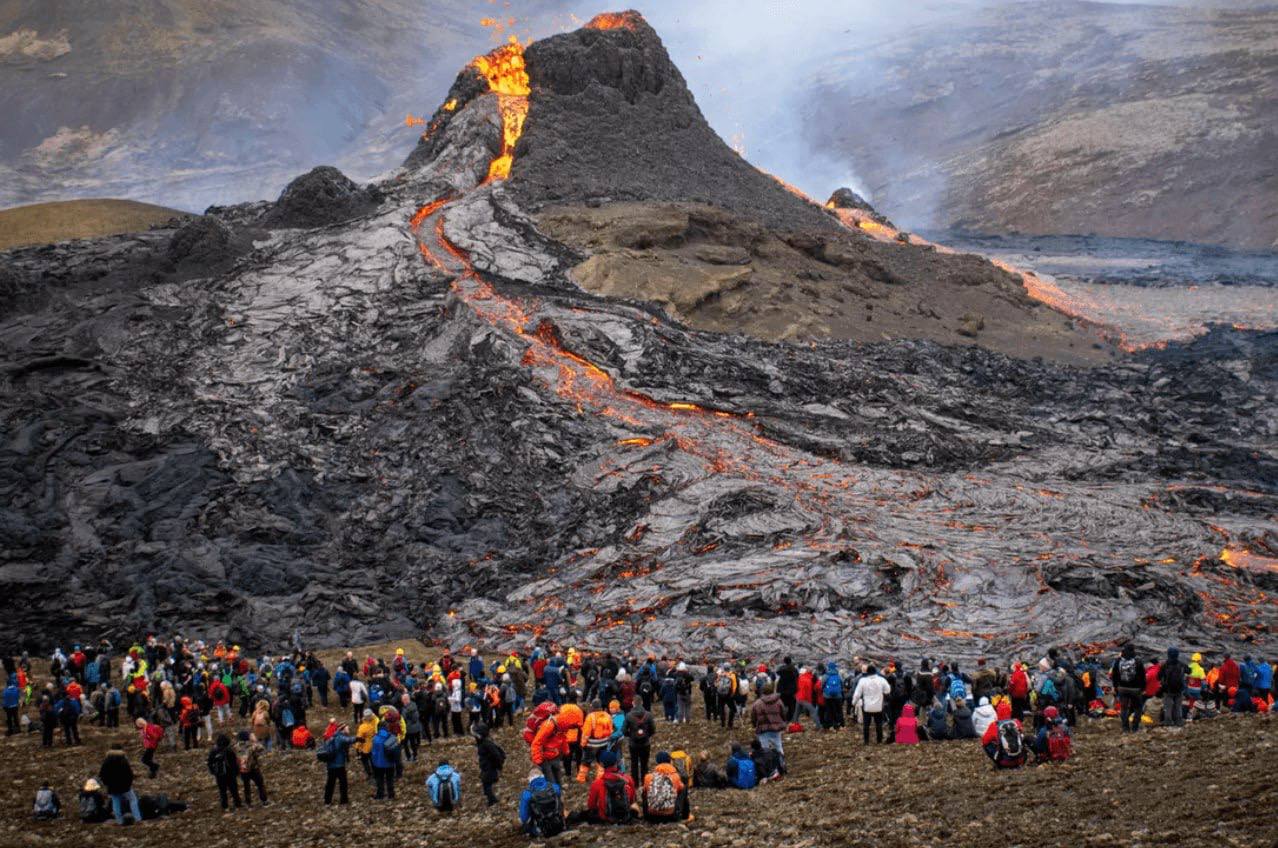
x=1195, y=678
x=364, y=742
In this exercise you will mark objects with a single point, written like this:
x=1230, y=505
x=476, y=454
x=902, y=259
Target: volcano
x=578, y=371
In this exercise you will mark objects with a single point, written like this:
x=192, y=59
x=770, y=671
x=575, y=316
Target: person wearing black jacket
x=116, y=776
x=491, y=760
x=787, y=687
x=1128, y=675
x=1172, y=677
x=639, y=728
x=225, y=768
x=319, y=679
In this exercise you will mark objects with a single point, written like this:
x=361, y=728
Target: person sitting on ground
x=706, y=775
x=541, y=807
x=95, y=807
x=611, y=796
x=768, y=763
x=982, y=717
x=1003, y=741
x=1052, y=743
x=740, y=770
x=964, y=726
x=444, y=786
x=46, y=806
x=938, y=726
x=907, y=727
x=665, y=798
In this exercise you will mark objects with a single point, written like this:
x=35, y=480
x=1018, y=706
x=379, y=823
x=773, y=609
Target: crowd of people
x=585, y=718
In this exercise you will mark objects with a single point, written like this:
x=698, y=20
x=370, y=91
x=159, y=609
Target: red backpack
x=1058, y=743
x=544, y=710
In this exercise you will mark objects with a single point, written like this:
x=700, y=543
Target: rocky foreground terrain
x=366, y=411
x=1206, y=783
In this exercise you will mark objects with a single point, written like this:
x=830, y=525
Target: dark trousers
x=489, y=794
x=113, y=717
x=712, y=706
x=344, y=698
x=71, y=731
x=1129, y=712
x=336, y=777
x=367, y=763
x=877, y=718
x=412, y=742
x=639, y=762
x=791, y=705
x=457, y=724
x=385, y=778
x=357, y=711
x=728, y=713
x=190, y=737
x=11, y=723
x=250, y=778
x=833, y=712
x=227, y=787
x=1020, y=706
x=323, y=695
x=148, y=760
x=47, y=726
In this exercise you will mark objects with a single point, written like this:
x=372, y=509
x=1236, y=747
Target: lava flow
x=508, y=79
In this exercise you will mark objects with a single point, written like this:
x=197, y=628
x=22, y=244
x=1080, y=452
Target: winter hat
x=1173, y=653
x=1050, y=713
x=985, y=702
x=534, y=773
x=608, y=759
x=662, y=757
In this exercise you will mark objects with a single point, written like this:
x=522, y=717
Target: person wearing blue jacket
x=444, y=786
x=539, y=820
x=832, y=690
x=384, y=757
x=342, y=687
x=740, y=769
x=338, y=747
x=1264, y=676
x=67, y=709
x=11, y=699
x=553, y=676
x=475, y=668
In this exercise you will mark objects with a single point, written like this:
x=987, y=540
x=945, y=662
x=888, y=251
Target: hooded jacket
x=535, y=785
x=597, y=798
x=870, y=692
x=938, y=727
x=444, y=774
x=115, y=774
x=982, y=717
x=1004, y=712
x=639, y=727
x=491, y=756
x=964, y=725
x=768, y=714
x=907, y=727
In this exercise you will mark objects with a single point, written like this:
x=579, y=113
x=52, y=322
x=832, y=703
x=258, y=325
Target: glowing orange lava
x=613, y=20
x=508, y=79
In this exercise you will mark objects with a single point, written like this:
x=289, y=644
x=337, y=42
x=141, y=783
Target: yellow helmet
x=501, y=669
x=1197, y=658
x=399, y=652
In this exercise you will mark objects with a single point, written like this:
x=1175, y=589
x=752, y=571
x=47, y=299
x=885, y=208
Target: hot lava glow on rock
x=508, y=79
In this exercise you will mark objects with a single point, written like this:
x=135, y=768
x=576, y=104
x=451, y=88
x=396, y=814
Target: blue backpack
x=1048, y=689
x=746, y=778
x=832, y=687
x=958, y=692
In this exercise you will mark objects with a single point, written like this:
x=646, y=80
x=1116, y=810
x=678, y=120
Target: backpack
x=218, y=764
x=1059, y=743
x=326, y=752
x=545, y=816
x=645, y=687
x=746, y=776
x=445, y=804
x=115, y=698
x=616, y=805
x=682, y=763
x=1011, y=747
x=723, y=685
x=286, y=717
x=1048, y=689
x=832, y=686
x=391, y=747
x=1128, y=677
x=958, y=692
x=544, y=710
x=661, y=796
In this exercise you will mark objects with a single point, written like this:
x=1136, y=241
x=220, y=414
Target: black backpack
x=617, y=805
x=218, y=764
x=445, y=796
x=1128, y=676
x=545, y=816
x=645, y=686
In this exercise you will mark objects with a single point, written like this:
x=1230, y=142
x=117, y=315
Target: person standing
x=384, y=756
x=249, y=752
x=1128, y=676
x=12, y=699
x=116, y=777
x=1172, y=678
x=767, y=715
x=871, y=694
x=491, y=760
x=639, y=728
x=338, y=747
x=225, y=768
x=152, y=734
x=788, y=688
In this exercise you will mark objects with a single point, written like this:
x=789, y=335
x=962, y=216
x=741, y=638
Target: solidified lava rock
x=611, y=118
x=321, y=196
x=203, y=241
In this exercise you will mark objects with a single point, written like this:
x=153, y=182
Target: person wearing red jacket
x=152, y=734
x=1018, y=689
x=610, y=783
x=805, y=695
x=1227, y=680
x=221, y=698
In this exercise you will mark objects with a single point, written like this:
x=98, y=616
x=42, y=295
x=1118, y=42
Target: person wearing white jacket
x=869, y=695
x=983, y=716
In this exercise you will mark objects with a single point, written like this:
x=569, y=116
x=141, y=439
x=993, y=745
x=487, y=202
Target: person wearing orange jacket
x=596, y=733
x=665, y=798
x=573, y=720
x=549, y=745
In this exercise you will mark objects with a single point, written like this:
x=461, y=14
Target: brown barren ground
x=46, y=223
